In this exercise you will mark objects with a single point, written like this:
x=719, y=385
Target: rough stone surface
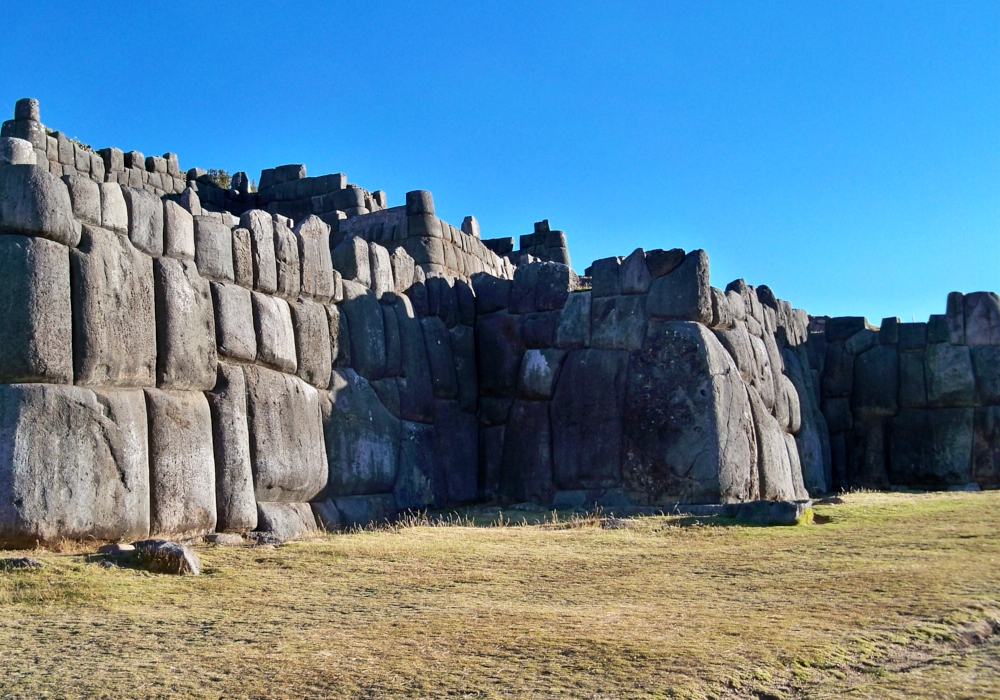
x=420, y=482
x=186, y=355
x=380, y=268
x=181, y=463
x=986, y=368
x=986, y=446
x=286, y=261
x=931, y=447
x=463, y=350
x=950, y=378
x=114, y=211
x=234, y=492
x=145, y=220
x=367, y=330
x=312, y=342
x=362, y=438
x=912, y=380
x=587, y=418
x=286, y=521
x=606, y=276
x=618, y=323
x=213, y=242
x=272, y=320
x=982, y=318
x=94, y=481
x=178, y=232
x=114, y=327
x=261, y=228
x=242, y=258
x=539, y=370
x=526, y=464
x=492, y=293
x=458, y=442
x=689, y=434
x=776, y=483
x=498, y=349
x=416, y=393
x=35, y=311
x=634, y=274
x=85, y=196
x=876, y=382
x=315, y=264
x=684, y=294
x=440, y=358
x=663, y=262
x=286, y=443
x=573, y=328
x=554, y=283
x=351, y=259
x=164, y=557
x=234, y=330
x=33, y=202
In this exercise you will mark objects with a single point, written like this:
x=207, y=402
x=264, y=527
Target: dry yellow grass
x=897, y=596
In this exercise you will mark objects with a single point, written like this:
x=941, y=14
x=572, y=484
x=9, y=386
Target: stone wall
x=913, y=404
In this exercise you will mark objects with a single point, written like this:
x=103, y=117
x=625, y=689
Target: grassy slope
x=886, y=600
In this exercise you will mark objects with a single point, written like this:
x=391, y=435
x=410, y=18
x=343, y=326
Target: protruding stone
x=380, y=266
x=14, y=151
x=26, y=109
x=178, y=232
x=419, y=202
x=213, y=243
x=286, y=521
x=351, y=259
x=955, y=318
x=618, y=323
x=574, y=328
x=145, y=220
x=635, y=277
x=261, y=228
x=982, y=319
x=684, y=294
x=186, y=355
x=314, y=259
x=272, y=322
x=606, y=274
x=33, y=202
x=234, y=491
x=242, y=258
x=286, y=257
x=312, y=342
x=950, y=379
x=367, y=331
x=234, y=329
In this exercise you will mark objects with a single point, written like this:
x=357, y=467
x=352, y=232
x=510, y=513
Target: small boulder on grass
x=771, y=512
x=165, y=557
x=20, y=563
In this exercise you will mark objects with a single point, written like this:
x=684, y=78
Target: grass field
x=887, y=596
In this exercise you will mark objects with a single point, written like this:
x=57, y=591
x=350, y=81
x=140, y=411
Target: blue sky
x=845, y=153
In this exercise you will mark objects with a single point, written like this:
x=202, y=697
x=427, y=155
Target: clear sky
x=845, y=153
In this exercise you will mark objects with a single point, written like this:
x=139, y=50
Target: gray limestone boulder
x=286, y=437
x=380, y=267
x=986, y=446
x=982, y=318
x=498, y=350
x=618, y=323
x=912, y=380
x=763, y=379
x=286, y=261
x=663, y=262
x=340, y=338
x=242, y=258
x=181, y=463
x=838, y=370
x=356, y=511
x=876, y=382
x=33, y=202
x=272, y=320
x=606, y=277
x=492, y=293
x=312, y=342
x=911, y=337
x=526, y=463
x=736, y=341
x=178, y=232
x=234, y=330
x=722, y=315
x=931, y=447
x=114, y=325
x=164, y=557
x=114, y=211
x=986, y=368
x=552, y=287
x=15, y=151
x=573, y=328
x=213, y=243
x=236, y=505
x=812, y=429
x=522, y=294
x=416, y=392
x=955, y=318
x=950, y=377
x=286, y=521
x=688, y=430
x=94, y=479
x=393, y=346
x=634, y=274
x=186, y=356
x=795, y=465
x=315, y=264
x=685, y=293
x=402, y=269
x=387, y=390
x=463, y=349
x=35, y=311
x=861, y=342
x=458, y=444
x=145, y=220
x=865, y=452
x=841, y=328
x=420, y=481
x=837, y=410
x=440, y=358
x=466, y=298
x=352, y=260
x=362, y=438
x=261, y=228
x=769, y=512
x=773, y=466
x=367, y=330
x=587, y=417
x=85, y=196
x=539, y=370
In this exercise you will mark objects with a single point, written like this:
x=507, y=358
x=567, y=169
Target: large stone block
x=838, y=371
x=684, y=294
x=114, y=324
x=286, y=521
x=795, y=464
x=213, y=243
x=312, y=342
x=986, y=447
x=114, y=211
x=242, y=258
x=498, y=350
x=234, y=331
x=356, y=511
x=736, y=341
x=606, y=277
x=181, y=464
x=463, y=349
x=315, y=264
x=587, y=417
x=352, y=260
x=35, y=311
x=688, y=430
x=15, y=151
x=440, y=358
x=876, y=382
x=955, y=318
x=145, y=220
x=618, y=323
x=178, y=232
x=554, y=283
x=986, y=368
x=272, y=321
x=416, y=393
x=490, y=455
x=931, y=447
x=492, y=293
x=773, y=467
x=420, y=482
x=526, y=464
x=362, y=438
x=634, y=273
x=522, y=294
x=286, y=437
x=982, y=318
x=912, y=337
x=811, y=437
x=286, y=261
x=393, y=347
x=85, y=195
x=912, y=380
x=573, y=328
x=93, y=481
x=866, y=454
x=367, y=331
x=402, y=269
x=33, y=202
x=380, y=267
x=763, y=378
x=950, y=378
x=261, y=228
x=186, y=355
x=458, y=442
x=236, y=505
x=539, y=370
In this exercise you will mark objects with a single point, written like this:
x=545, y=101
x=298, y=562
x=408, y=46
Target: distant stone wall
x=913, y=404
